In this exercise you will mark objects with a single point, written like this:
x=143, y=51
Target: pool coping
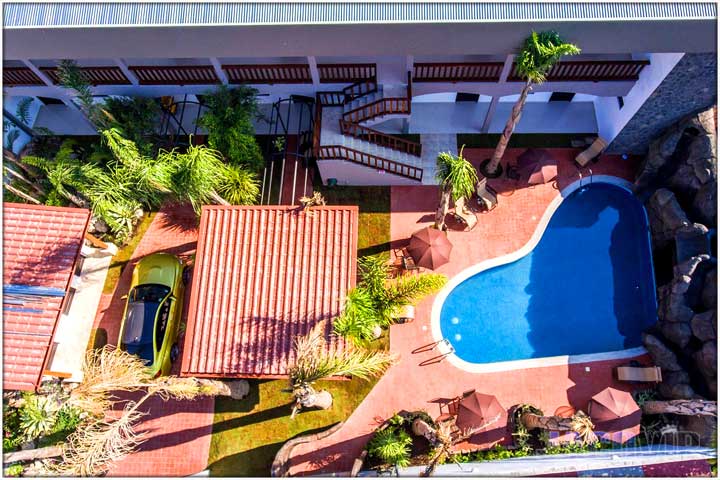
x=557, y=360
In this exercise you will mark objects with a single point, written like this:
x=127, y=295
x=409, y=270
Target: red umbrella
x=430, y=248
x=615, y=414
x=536, y=165
x=479, y=411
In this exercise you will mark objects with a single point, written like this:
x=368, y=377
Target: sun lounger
x=591, y=152
x=465, y=214
x=408, y=263
x=639, y=374
x=487, y=196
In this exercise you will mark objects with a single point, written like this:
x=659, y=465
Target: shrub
x=12, y=435
x=136, y=118
x=14, y=470
x=391, y=446
x=38, y=416
x=228, y=121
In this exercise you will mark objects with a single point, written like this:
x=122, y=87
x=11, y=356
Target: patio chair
x=487, y=196
x=640, y=374
x=465, y=214
x=593, y=151
x=408, y=263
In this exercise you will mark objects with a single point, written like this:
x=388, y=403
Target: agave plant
x=38, y=416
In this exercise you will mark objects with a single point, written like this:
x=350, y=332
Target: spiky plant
x=71, y=77
x=359, y=317
x=392, y=446
x=540, y=52
x=38, y=416
x=457, y=178
x=313, y=362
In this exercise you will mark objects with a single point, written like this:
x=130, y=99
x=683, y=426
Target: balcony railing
x=345, y=72
x=457, y=72
x=20, y=76
x=94, y=75
x=340, y=152
x=380, y=138
x=176, y=75
x=384, y=106
x=590, y=71
x=268, y=74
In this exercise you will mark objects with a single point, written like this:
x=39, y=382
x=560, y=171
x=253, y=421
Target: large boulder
x=709, y=291
x=706, y=362
x=666, y=216
x=704, y=326
x=691, y=241
x=661, y=354
x=676, y=391
x=704, y=203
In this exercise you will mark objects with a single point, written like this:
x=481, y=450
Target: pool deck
x=417, y=382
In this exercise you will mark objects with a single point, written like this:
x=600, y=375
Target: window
x=79, y=265
x=162, y=323
x=50, y=101
x=467, y=97
x=68, y=301
x=562, y=96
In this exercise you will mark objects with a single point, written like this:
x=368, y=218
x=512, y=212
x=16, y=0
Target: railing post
x=126, y=71
x=218, y=70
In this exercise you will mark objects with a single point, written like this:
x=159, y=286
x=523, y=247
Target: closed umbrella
x=430, y=248
x=536, y=166
x=615, y=414
x=479, y=411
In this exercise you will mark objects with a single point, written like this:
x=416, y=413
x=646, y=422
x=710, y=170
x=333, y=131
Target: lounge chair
x=595, y=149
x=487, y=196
x=465, y=214
x=629, y=373
x=408, y=263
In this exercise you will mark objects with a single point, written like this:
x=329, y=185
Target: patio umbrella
x=615, y=414
x=430, y=248
x=536, y=165
x=478, y=410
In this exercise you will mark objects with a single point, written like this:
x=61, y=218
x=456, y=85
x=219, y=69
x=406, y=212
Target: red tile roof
x=40, y=247
x=264, y=275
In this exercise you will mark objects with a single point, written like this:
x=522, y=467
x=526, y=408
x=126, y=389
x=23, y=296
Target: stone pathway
x=432, y=144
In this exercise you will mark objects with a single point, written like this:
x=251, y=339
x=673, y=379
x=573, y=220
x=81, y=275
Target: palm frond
x=410, y=289
x=540, y=52
x=359, y=317
x=456, y=173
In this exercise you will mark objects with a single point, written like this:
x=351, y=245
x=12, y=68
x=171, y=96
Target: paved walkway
x=177, y=433
x=410, y=386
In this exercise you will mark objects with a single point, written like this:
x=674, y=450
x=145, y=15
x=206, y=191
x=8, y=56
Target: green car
x=152, y=313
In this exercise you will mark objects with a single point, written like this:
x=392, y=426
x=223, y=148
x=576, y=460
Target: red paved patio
x=410, y=386
x=177, y=433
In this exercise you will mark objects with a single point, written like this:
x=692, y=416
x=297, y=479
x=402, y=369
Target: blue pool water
x=587, y=287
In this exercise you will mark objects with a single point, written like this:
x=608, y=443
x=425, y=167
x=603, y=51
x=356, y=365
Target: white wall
x=611, y=118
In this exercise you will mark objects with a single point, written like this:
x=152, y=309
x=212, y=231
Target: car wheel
x=174, y=352
x=186, y=274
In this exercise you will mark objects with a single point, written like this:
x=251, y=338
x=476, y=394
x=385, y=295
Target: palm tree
x=99, y=441
x=457, y=178
x=314, y=362
x=680, y=407
x=539, y=53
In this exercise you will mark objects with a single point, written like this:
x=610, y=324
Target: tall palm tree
x=457, y=178
x=538, y=55
x=680, y=407
x=313, y=362
x=579, y=423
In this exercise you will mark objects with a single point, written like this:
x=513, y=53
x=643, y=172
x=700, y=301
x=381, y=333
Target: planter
x=406, y=314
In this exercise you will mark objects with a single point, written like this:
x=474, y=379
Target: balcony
x=20, y=77
x=590, y=71
x=268, y=73
x=346, y=72
x=94, y=75
x=176, y=75
x=457, y=72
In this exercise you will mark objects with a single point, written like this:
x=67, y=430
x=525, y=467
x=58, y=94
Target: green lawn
x=124, y=254
x=247, y=434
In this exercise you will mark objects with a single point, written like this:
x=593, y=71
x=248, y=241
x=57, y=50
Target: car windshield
x=143, y=303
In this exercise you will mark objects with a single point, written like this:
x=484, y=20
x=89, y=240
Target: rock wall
x=689, y=87
x=678, y=181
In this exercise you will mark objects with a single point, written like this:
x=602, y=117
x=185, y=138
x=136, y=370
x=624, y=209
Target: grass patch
x=124, y=254
x=521, y=140
x=247, y=434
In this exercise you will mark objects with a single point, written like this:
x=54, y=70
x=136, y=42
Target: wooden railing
x=384, y=106
x=176, y=75
x=331, y=99
x=94, y=75
x=359, y=89
x=19, y=76
x=345, y=72
x=380, y=138
x=340, y=152
x=457, y=72
x=590, y=71
x=275, y=73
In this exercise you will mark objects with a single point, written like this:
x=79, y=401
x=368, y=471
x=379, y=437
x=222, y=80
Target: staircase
x=345, y=133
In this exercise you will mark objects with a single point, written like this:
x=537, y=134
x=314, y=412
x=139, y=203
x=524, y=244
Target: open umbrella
x=536, y=165
x=430, y=248
x=615, y=414
x=478, y=411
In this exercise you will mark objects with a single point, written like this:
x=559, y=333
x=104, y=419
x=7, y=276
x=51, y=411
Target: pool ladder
x=580, y=174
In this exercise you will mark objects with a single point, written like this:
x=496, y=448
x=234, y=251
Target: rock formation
x=678, y=179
